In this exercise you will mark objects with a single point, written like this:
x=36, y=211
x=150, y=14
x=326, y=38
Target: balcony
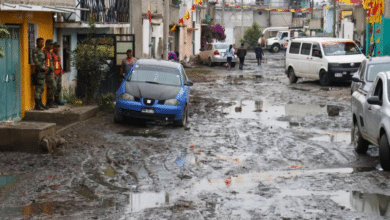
x=41, y=2
x=116, y=11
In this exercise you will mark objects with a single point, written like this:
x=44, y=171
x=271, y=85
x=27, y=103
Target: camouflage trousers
x=42, y=79
x=58, y=83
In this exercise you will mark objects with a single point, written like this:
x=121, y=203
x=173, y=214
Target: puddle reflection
x=377, y=204
x=141, y=201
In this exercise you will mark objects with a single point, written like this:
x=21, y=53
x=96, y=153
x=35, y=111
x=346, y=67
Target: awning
x=22, y=7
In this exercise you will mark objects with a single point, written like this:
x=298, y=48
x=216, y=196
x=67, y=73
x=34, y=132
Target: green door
x=10, y=76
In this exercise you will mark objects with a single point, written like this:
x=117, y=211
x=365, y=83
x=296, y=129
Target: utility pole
x=242, y=20
x=223, y=14
x=334, y=18
x=166, y=29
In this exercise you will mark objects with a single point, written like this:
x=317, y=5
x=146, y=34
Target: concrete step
x=25, y=136
x=62, y=115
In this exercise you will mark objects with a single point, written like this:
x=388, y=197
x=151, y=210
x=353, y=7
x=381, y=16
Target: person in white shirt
x=229, y=54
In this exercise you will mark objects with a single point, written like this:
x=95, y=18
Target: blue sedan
x=154, y=89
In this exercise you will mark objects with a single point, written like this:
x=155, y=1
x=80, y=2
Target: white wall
x=146, y=38
x=347, y=28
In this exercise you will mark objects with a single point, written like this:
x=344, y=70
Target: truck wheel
x=384, y=153
x=291, y=76
x=361, y=145
x=325, y=78
x=275, y=48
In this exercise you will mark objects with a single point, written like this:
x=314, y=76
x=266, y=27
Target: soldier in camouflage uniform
x=57, y=73
x=51, y=86
x=40, y=73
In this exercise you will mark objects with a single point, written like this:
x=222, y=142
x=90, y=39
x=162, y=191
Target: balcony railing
x=113, y=11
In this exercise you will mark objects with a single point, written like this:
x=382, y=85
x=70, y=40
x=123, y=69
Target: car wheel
x=184, y=118
x=210, y=63
x=275, y=48
x=360, y=144
x=325, y=78
x=118, y=118
x=384, y=153
x=233, y=65
x=291, y=76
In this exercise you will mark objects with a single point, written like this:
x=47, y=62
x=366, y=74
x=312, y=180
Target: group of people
x=241, y=53
x=48, y=70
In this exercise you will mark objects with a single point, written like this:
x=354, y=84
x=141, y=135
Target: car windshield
x=221, y=46
x=156, y=75
x=374, y=69
x=279, y=35
x=340, y=48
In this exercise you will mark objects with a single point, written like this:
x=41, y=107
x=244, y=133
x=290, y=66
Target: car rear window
x=221, y=46
x=374, y=69
x=156, y=74
x=294, y=48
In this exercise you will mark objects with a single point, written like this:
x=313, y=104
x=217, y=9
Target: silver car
x=368, y=71
x=371, y=117
x=214, y=53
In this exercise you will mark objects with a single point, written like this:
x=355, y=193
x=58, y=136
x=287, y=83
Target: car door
x=316, y=61
x=304, y=61
x=373, y=116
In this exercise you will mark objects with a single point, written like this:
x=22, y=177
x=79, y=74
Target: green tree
x=89, y=58
x=252, y=35
x=3, y=34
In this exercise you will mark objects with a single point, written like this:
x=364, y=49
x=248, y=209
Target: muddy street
x=257, y=147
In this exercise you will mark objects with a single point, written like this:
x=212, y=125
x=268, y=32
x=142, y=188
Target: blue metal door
x=10, y=94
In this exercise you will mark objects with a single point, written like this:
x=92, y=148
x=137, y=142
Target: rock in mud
x=333, y=110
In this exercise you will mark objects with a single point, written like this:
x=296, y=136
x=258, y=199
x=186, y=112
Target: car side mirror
x=374, y=100
x=189, y=83
x=356, y=79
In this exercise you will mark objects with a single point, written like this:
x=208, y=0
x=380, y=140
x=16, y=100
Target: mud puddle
x=268, y=114
x=240, y=186
x=371, y=203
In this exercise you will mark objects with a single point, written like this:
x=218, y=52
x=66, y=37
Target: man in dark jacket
x=241, y=53
x=259, y=54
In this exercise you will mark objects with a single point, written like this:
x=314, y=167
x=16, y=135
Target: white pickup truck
x=275, y=44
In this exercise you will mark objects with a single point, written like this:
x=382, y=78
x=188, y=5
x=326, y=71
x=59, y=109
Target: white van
x=326, y=59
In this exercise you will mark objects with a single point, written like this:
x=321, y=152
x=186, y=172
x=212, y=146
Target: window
x=316, y=46
x=284, y=35
x=294, y=48
x=379, y=90
x=32, y=37
x=66, y=52
x=306, y=47
x=374, y=69
x=184, y=75
x=336, y=48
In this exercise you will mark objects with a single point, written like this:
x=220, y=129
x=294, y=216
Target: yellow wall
x=44, y=22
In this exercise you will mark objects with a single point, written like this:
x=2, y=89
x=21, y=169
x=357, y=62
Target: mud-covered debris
x=182, y=176
x=333, y=110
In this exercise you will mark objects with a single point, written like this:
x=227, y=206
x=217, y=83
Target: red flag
x=285, y=10
x=378, y=31
x=181, y=21
x=297, y=10
x=193, y=7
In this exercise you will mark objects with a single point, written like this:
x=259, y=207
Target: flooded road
x=256, y=148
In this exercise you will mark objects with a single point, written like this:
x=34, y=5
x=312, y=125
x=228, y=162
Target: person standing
x=40, y=73
x=172, y=56
x=51, y=87
x=285, y=45
x=58, y=71
x=229, y=53
x=127, y=64
x=241, y=53
x=259, y=54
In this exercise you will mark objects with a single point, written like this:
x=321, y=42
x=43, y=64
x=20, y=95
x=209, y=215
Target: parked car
x=371, y=117
x=214, y=53
x=326, y=59
x=368, y=71
x=154, y=89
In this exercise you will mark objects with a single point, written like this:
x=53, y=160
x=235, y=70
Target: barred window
x=32, y=36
